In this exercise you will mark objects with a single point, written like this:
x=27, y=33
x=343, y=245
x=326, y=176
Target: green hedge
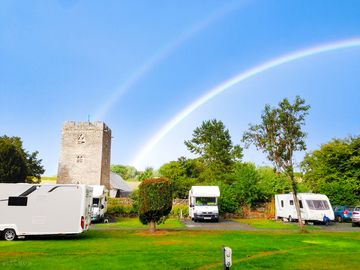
x=119, y=207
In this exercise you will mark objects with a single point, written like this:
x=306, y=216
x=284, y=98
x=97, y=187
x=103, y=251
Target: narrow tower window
x=79, y=158
x=81, y=139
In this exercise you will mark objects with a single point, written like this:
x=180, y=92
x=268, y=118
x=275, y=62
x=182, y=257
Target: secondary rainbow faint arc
x=342, y=44
x=157, y=58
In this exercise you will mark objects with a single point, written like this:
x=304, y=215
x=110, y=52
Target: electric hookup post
x=227, y=253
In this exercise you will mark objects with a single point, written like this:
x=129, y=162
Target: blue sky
x=137, y=64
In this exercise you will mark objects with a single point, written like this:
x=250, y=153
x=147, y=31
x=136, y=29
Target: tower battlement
x=85, y=153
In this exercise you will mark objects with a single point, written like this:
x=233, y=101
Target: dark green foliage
x=135, y=198
x=155, y=200
x=228, y=200
x=334, y=170
x=247, y=181
x=148, y=173
x=34, y=167
x=272, y=182
x=12, y=164
x=183, y=174
x=212, y=141
x=126, y=172
x=17, y=165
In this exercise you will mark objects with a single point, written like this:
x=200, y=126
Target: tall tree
x=212, y=141
x=280, y=135
x=148, y=173
x=182, y=174
x=16, y=164
x=334, y=170
x=12, y=164
x=126, y=172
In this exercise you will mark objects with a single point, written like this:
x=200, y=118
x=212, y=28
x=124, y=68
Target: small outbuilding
x=119, y=187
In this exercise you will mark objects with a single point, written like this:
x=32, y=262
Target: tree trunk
x=290, y=172
x=152, y=226
x=298, y=212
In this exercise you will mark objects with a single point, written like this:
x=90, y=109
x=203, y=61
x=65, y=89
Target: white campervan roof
x=98, y=190
x=205, y=191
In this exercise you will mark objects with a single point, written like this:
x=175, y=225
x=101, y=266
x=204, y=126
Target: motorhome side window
x=17, y=201
x=96, y=201
x=318, y=204
x=205, y=201
x=282, y=203
x=300, y=203
x=291, y=202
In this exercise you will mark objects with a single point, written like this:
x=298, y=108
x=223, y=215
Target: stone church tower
x=85, y=154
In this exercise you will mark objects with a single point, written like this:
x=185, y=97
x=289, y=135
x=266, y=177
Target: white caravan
x=99, y=203
x=313, y=207
x=33, y=209
x=203, y=203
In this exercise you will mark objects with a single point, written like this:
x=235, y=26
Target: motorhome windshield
x=96, y=201
x=318, y=204
x=200, y=201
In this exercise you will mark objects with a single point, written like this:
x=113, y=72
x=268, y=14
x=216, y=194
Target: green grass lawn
x=134, y=223
x=114, y=248
x=272, y=224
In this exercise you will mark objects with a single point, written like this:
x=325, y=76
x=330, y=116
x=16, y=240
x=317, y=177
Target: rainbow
x=159, y=57
x=293, y=56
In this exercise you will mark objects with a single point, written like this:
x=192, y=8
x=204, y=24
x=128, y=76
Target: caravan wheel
x=290, y=219
x=9, y=234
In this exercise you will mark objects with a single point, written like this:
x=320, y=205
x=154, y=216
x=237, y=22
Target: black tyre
x=339, y=219
x=290, y=219
x=9, y=234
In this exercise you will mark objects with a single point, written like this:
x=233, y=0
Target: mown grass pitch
x=111, y=247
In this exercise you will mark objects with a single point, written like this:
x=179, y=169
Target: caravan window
x=291, y=202
x=205, y=201
x=318, y=204
x=17, y=201
x=282, y=203
x=300, y=203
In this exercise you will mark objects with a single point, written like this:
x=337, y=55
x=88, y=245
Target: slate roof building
x=119, y=188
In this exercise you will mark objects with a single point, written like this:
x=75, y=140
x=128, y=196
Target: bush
x=118, y=207
x=228, y=200
x=120, y=210
x=155, y=201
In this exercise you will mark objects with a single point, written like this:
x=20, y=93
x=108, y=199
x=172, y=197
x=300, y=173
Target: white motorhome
x=203, y=203
x=33, y=209
x=313, y=207
x=99, y=203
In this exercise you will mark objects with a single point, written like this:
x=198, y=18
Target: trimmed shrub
x=155, y=201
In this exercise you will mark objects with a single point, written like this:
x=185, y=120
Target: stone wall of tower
x=85, y=154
